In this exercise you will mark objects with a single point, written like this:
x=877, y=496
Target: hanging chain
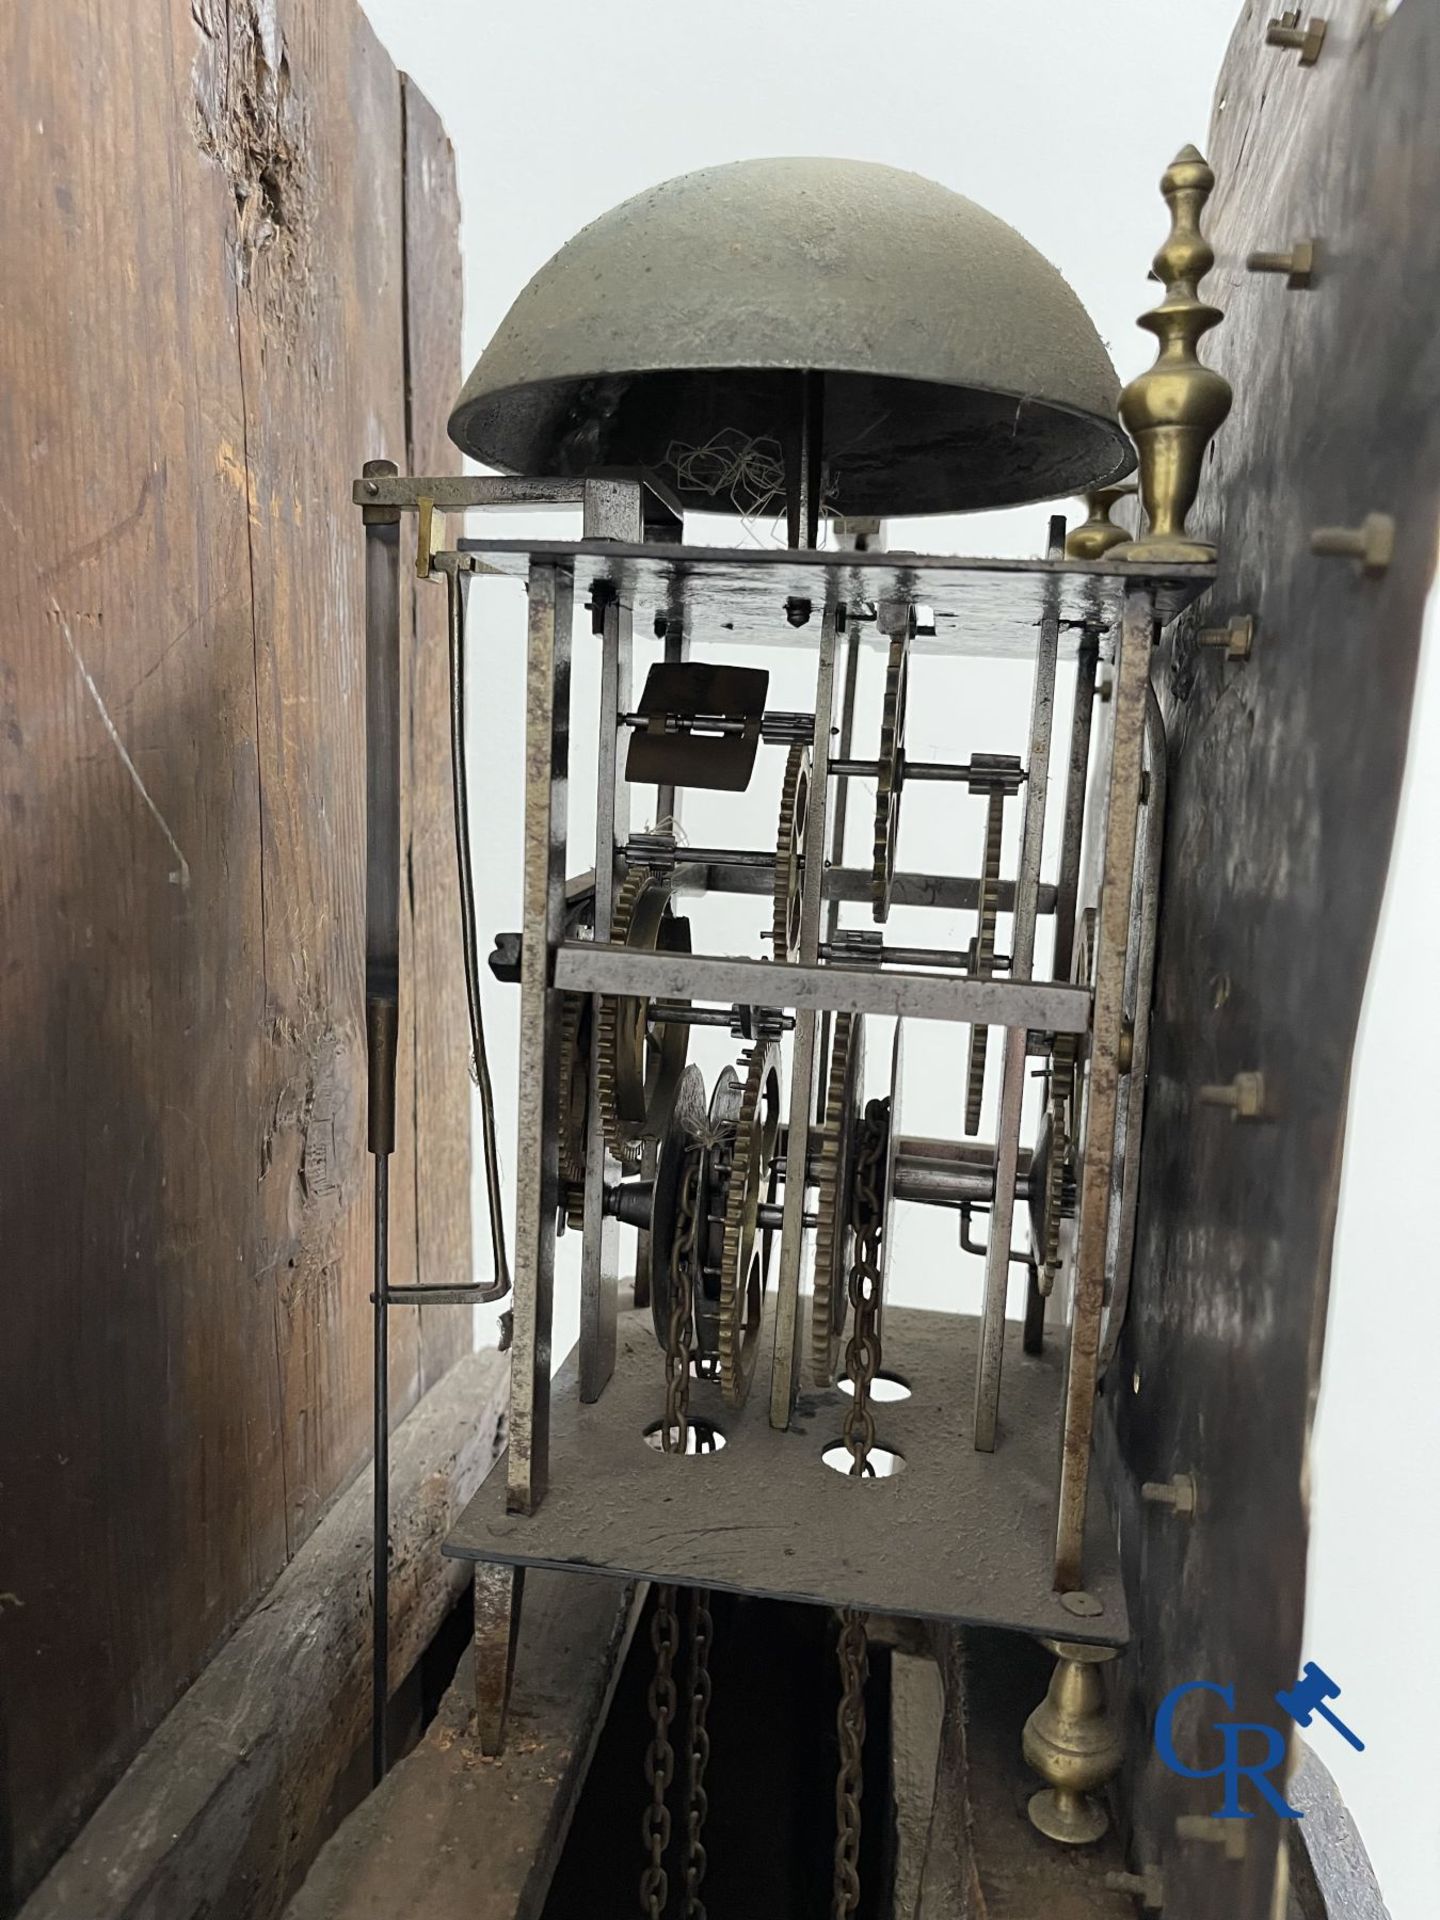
x=675, y=1434
x=697, y=1802
x=862, y=1355
x=854, y=1658
x=862, y=1363
x=664, y=1626
x=660, y=1758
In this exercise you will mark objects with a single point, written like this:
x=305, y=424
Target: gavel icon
x=1307, y=1698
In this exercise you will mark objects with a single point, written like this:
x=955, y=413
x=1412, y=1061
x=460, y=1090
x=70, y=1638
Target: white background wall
x=1059, y=117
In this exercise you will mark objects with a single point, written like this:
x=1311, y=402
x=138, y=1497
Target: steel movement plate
x=981, y=607
x=956, y=1535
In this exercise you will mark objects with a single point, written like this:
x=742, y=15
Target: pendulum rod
x=382, y=1020
x=467, y=1293
x=500, y=1285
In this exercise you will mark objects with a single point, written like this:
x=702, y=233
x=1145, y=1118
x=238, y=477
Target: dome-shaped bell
x=960, y=371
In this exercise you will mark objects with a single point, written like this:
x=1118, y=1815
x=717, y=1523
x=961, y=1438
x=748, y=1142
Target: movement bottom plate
x=955, y=1535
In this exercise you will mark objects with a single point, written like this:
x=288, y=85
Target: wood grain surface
x=1285, y=774
x=206, y=327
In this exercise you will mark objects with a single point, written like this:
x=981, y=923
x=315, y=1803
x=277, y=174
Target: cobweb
x=747, y=470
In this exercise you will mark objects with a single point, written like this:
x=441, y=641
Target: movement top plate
x=979, y=606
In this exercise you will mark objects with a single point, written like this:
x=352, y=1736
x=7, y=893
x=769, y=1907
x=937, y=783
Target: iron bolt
x=1298, y=265
x=797, y=611
x=1177, y=1493
x=1147, y=1886
x=1083, y=1605
x=1372, y=543
x=1288, y=32
x=1237, y=638
x=1229, y=1834
x=1244, y=1095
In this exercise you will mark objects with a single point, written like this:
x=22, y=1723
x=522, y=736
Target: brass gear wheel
x=790, y=852
x=575, y=1026
x=834, y=1238
x=1051, y=1184
x=982, y=953
x=639, y=1061
x=891, y=777
x=743, y=1267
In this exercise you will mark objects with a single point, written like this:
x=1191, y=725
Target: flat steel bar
x=785, y=1369
x=675, y=651
x=927, y=890
x=537, y=1164
x=454, y=492
x=437, y=1295
x=600, y=1238
x=1013, y=1068
x=1072, y=833
x=1132, y=683
x=583, y=966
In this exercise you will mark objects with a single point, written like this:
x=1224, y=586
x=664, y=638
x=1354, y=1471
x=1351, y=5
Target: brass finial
x=1073, y=1745
x=1173, y=410
x=1095, y=536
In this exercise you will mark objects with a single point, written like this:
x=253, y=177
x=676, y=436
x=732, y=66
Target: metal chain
x=862, y=1355
x=660, y=1757
x=854, y=1659
x=862, y=1363
x=675, y=1434
x=697, y=1802
x=664, y=1627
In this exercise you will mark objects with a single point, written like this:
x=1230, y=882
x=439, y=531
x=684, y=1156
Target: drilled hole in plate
x=701, y=1436
x=885, y=1386
x=880, y=1463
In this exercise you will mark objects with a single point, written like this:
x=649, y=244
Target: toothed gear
x=1062, y=1084
x=743, y=1269
x=574, y=1198
x=834, y=1237
x=574, y=1085
x=891, y=777
x=639, y=1061
x=790, y=852
x=982, y=961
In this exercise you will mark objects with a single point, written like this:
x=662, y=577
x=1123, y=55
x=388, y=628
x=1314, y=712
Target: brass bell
x=684, y=330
